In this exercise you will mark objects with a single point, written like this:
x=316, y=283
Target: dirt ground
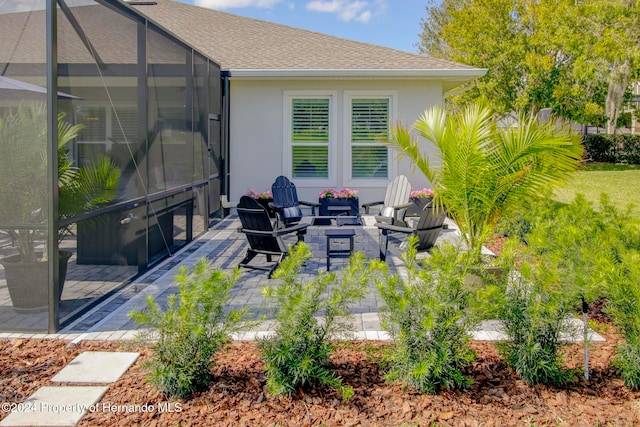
x=238, y=397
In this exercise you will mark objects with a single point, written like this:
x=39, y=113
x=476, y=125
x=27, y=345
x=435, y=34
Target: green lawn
x=620, y=182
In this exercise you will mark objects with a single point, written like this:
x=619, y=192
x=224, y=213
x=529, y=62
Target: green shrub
x=613, y=148
x=623, y=306
x=630, y=149
x=190, y=330
x=575, y=242
x=591, y=254
x=519, y=222
x=429, y=318
x=534, y=313
x=579, y=243
x=627, y=359
x=297, y=354
x=599, y=148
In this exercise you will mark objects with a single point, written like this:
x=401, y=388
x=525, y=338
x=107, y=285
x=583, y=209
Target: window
x=369, y=119
x=104, y=133
x=92, y=137
x=93, y=121
x=310, y=136
x=104, y=125
x=124, y=128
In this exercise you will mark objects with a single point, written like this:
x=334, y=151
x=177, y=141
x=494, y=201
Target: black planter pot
x=28, y=282
x=265, y=204
x=418, y=204
x=353, y=203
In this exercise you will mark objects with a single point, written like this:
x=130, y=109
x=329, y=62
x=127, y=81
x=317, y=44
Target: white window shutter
x=369, y=127
x=310, y=137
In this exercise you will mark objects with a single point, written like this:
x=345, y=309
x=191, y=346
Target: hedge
x=613, y=148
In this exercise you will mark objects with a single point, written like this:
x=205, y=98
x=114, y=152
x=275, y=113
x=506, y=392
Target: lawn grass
x=620, y=182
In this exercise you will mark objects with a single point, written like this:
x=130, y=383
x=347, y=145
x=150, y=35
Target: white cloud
x=324, y=6
x=229, y=4
x=364, y=16
x=349, y=10
x=381, y=6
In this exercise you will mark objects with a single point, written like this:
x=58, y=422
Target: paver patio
x=226, y=246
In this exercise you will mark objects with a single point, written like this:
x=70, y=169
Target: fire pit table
x=339, y=236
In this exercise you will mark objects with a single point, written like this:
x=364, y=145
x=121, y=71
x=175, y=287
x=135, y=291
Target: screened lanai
x=111, y=154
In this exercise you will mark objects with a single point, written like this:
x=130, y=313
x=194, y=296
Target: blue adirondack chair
x=286, y=203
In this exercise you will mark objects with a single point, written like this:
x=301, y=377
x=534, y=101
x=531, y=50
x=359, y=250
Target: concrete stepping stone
x=96, y=367
x=55, y=406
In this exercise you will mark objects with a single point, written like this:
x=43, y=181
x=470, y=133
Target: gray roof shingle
x=243, y=46
x=240, y=43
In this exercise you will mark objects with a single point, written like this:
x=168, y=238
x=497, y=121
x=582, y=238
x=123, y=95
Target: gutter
x=461, y=74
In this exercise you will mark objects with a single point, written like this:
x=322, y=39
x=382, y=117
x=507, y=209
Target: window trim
x=287, y=145
x=349, y=95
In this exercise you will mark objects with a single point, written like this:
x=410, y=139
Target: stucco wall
x=257, y=131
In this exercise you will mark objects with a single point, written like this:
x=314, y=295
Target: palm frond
x=88, y=187
x=483, y=170
x=407, y=145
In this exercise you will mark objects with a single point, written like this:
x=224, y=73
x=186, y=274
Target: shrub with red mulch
x=238, y=394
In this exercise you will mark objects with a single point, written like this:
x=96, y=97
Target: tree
x=616, y=36
x=459, y=30
x=575, y=57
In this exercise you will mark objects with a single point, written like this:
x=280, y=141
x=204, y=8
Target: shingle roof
x=243, y=46
x=240, y=43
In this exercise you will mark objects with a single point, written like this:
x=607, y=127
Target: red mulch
x=238, y=396
x=495, y=244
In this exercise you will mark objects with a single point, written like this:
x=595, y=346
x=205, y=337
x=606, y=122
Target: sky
x=390, y=23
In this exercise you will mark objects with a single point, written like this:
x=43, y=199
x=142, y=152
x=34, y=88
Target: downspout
x=226, y=108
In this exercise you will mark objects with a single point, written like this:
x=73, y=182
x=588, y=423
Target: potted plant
x=23, y=199
x=264, y=199
x=346, y=197
x=420, y=199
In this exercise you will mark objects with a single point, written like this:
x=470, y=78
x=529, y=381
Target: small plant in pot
x=345, y=197
x=23, y=199
x=420, y=199
x=264, y=199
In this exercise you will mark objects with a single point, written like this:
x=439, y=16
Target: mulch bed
x=238, y=396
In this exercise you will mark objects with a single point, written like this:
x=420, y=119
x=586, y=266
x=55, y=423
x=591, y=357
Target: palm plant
x=81, y=189
x=23, y=199
x=483, y=170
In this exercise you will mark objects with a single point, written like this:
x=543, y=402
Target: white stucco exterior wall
x=257, y=131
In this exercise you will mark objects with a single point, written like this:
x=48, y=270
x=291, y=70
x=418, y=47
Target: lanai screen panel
x=133, y=100
x=24, y=161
